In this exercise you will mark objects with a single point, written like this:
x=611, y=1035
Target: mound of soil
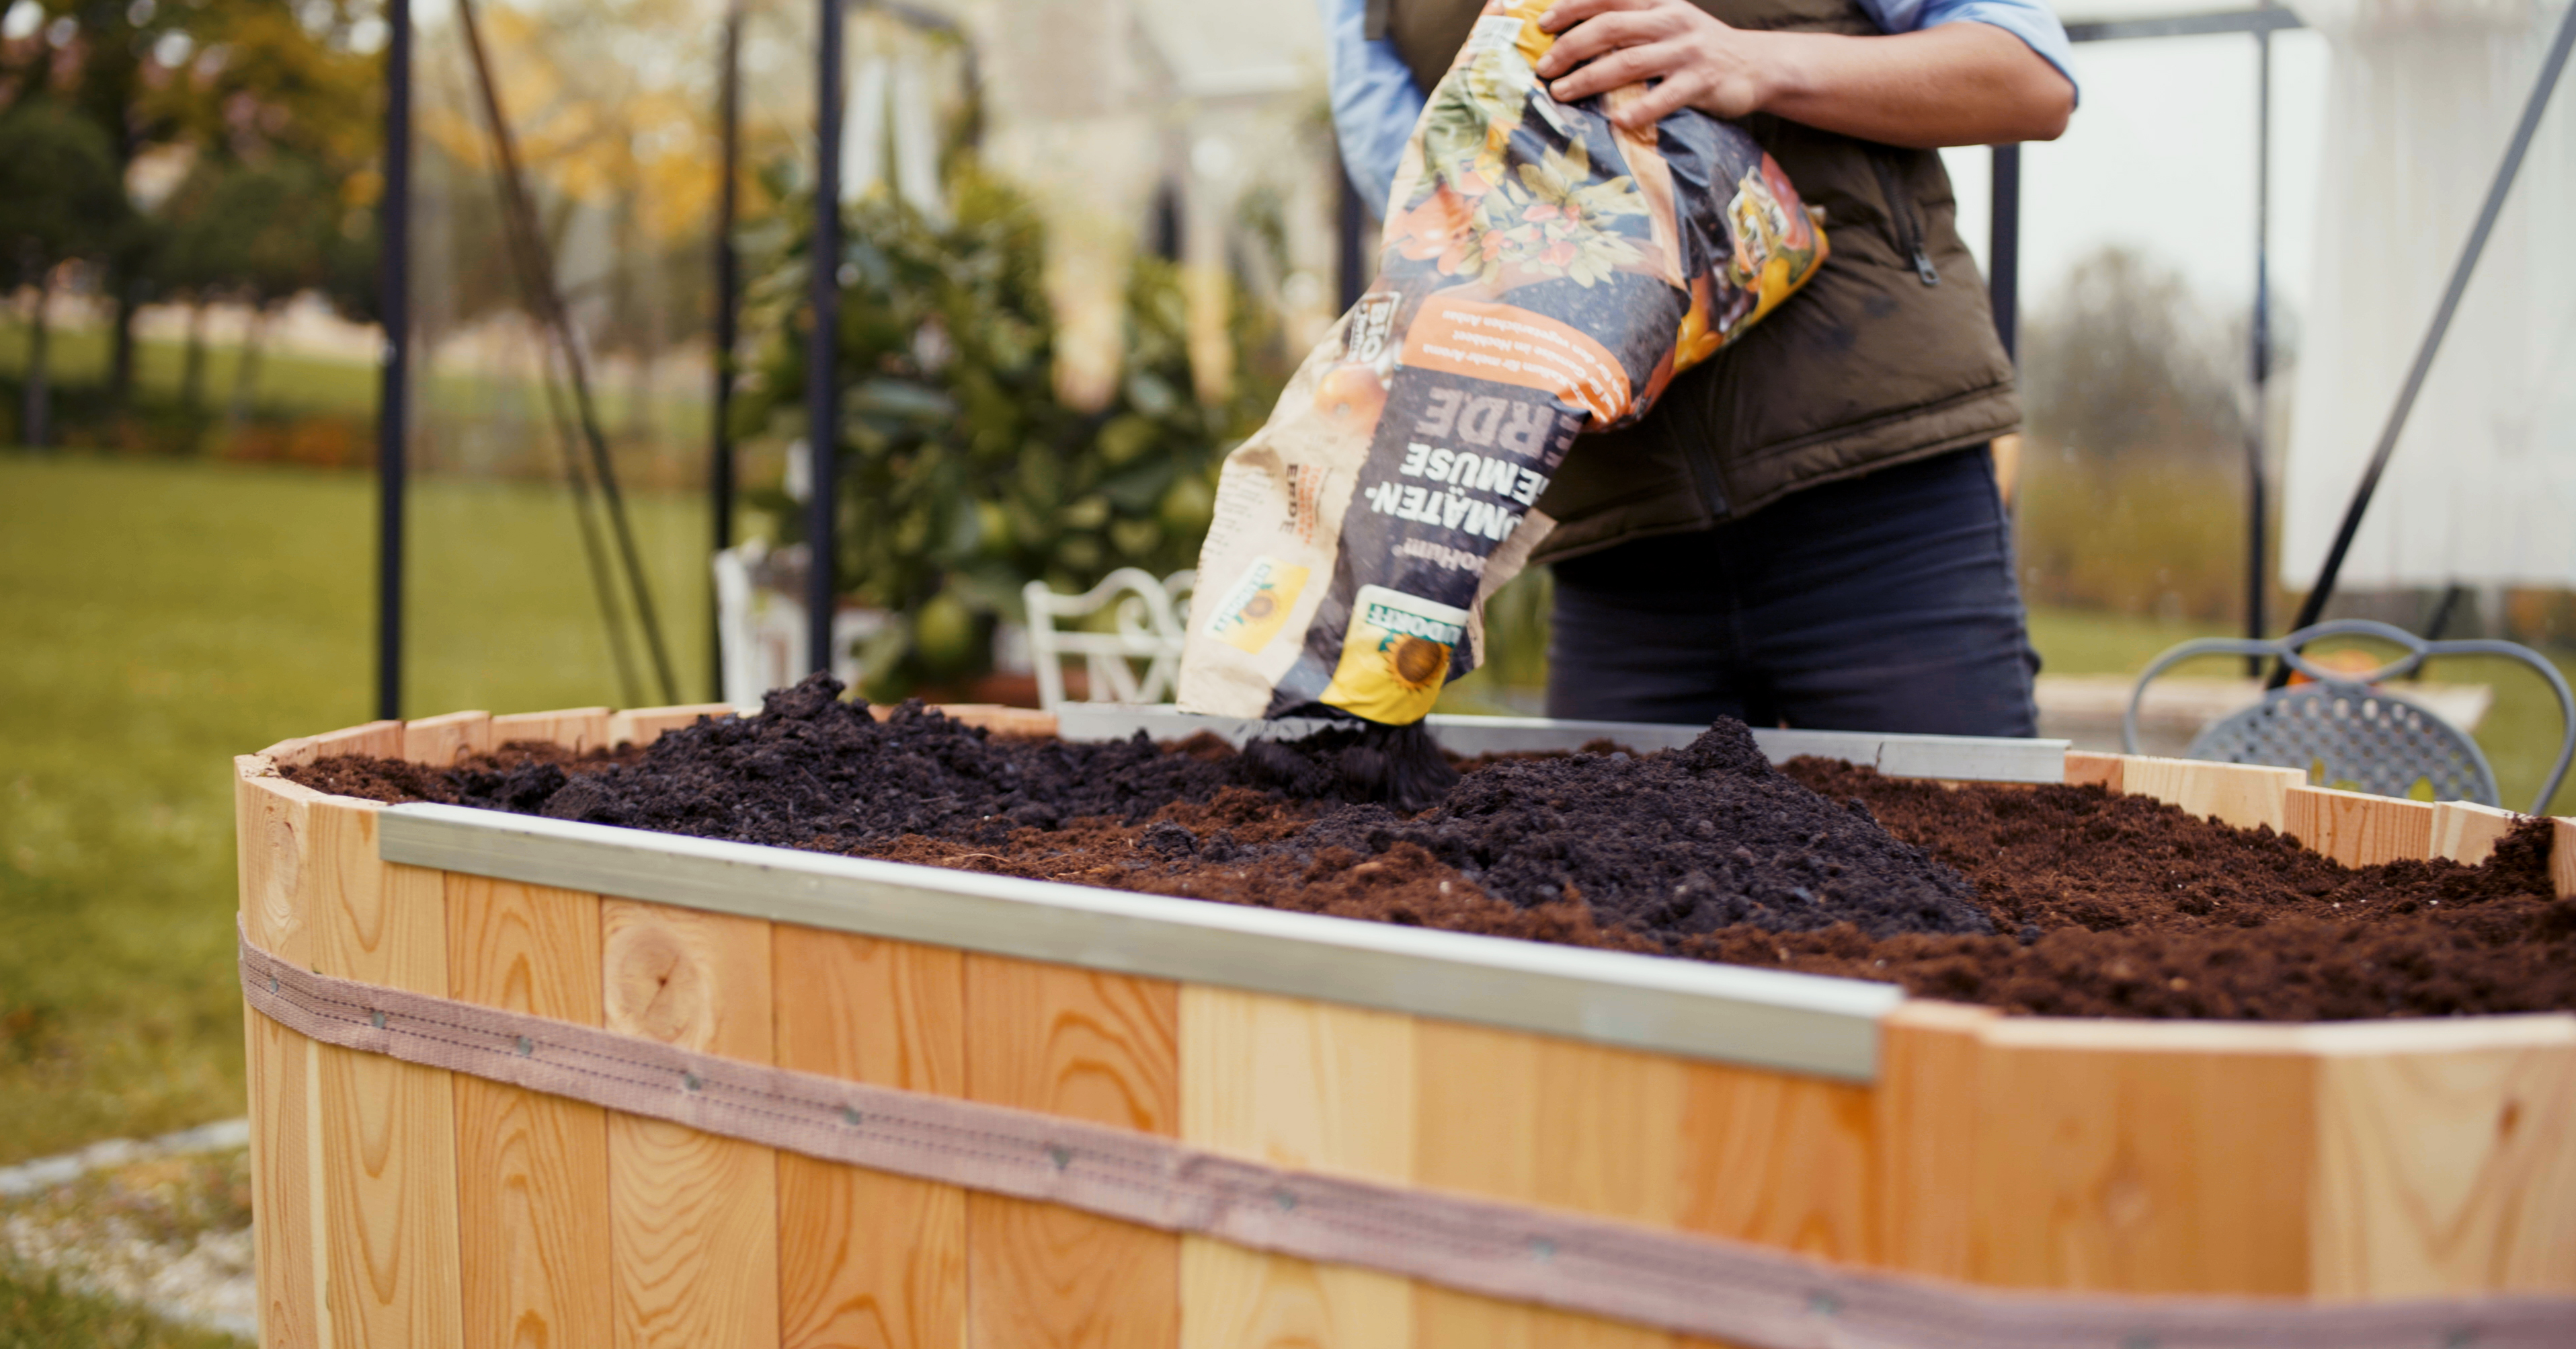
x=2055, y=900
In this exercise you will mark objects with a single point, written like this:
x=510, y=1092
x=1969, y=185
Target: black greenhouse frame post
x=822, y=347
x=393, y=395
x=720, y=469
x=2003, y=254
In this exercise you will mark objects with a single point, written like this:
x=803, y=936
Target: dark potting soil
x=2057, y=900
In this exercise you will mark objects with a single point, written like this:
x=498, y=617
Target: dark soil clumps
x=2054, y=900
x=1678, y=845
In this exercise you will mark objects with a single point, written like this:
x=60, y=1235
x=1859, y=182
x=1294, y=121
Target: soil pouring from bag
x=2067, y=901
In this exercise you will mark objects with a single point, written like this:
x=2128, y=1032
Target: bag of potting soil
x=1543, y=273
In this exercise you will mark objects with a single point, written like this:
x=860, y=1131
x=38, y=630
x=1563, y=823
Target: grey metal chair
x=2347, y=732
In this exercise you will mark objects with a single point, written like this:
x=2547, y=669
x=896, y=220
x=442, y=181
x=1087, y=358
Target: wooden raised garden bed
x=2419, y=1173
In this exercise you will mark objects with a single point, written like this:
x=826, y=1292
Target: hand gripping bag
x=1543, y=273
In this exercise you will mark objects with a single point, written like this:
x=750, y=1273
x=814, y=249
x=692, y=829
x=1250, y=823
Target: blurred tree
x=963, y=476
x=2134, y=490
x=256, y=234
x=238, y=78
x=59, y=197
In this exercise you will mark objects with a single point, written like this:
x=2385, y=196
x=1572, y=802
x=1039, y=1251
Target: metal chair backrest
x=2346, y=731
x=1147, y=626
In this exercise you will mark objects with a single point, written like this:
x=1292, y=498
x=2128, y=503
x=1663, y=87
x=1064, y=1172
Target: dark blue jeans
x=1881, y=603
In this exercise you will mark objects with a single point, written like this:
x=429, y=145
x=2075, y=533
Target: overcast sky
x=2161, y=156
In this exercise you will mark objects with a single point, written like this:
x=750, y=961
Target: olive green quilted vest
x=1888, y=355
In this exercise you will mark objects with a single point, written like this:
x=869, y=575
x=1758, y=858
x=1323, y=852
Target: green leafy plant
x=962, y=473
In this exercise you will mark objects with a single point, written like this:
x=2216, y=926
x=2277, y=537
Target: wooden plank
x=1307, y=1085
x=441, y=741
x=867, y=1258
x=1786, y=1161
x=1098, y=1047
x=532, y=1170
x=1926, y=1105
x=2357, y=828
x=579, y=729
x=2104, y=770
x=2142, y=1157
x=272, y=841
x=693, y=1218
x=2562, y=857
x=379, y=739
x=644, y=725
x=1529, y=1119
x=2467, y=832
x=2446, y=1160
x=295, y=751
x=997, y=718
x=2244, y=795
x=388, y=1127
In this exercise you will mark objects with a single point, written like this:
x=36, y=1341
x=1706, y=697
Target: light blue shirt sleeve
x=2030, y=20
x=1375, y=101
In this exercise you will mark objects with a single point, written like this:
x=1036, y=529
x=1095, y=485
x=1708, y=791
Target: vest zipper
x=1900, y=213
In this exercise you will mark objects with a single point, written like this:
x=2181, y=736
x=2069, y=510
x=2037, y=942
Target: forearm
x=1952, y=84
x=1958, y=84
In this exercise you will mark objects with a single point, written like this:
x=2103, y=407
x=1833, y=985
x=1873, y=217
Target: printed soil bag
x=1544, y=273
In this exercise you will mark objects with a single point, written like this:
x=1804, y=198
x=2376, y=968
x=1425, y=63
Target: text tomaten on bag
x=1543, y=273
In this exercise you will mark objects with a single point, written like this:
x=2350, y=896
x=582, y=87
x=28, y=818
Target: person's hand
x=1605, y=44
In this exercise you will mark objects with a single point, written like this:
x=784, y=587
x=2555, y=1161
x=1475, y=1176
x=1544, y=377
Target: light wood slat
x=379, y=739
x=869, y=1259
x=532, y=1170
x=2562, y=857
x=1529, y=1119
x=2105, y=770
x=2139, y=1158
x=441, y=741
x=644, y=725
x=2467, y=832
x=579, y=729
x=1927, y=1135
x=1314, y=1087
x=1098, y=1047
x=272, y=842
x=1786, y=1161
x=693, y=1218
x=2444, y=1170
x=289, y=753
x=2244, y=795
x=2357, y=828
x=388, y=1127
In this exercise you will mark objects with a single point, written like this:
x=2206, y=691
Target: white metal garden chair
x=1146, y=626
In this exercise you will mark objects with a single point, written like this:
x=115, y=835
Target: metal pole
x=2004, y=251
x=822, y=347
x=2550, y=69
x=1351, y=241
x=393, y=394
x=2257, y=494
x=720, y=485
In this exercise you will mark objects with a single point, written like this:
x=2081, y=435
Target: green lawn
x=286, y=381
x=37, y=1312
x=158, y=618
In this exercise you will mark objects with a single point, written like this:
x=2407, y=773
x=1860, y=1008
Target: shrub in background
x=962, y=473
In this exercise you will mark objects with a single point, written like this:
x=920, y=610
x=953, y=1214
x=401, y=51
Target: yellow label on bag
x=1257, y=607
x=1395, y=656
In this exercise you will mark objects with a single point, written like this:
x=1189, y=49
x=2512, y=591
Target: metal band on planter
x=1695, y=1285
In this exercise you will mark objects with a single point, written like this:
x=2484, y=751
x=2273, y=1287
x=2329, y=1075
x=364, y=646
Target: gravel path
x=162, y=1223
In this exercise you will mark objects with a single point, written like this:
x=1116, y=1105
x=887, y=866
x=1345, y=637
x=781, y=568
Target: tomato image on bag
x=1543, y=273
